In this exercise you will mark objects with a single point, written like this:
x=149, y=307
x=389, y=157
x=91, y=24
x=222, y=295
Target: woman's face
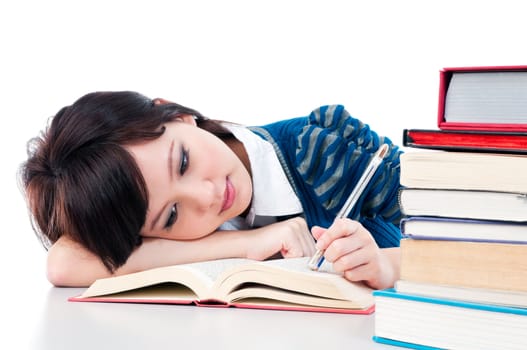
x=195, y=182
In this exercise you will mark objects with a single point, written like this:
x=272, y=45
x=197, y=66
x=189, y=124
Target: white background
x=246, y=61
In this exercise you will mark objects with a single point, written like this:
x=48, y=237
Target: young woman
x=119, y=183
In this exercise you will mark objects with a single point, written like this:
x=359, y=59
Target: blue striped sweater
x=324, y=155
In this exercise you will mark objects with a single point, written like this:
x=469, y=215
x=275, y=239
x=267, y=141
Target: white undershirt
x=272, y=193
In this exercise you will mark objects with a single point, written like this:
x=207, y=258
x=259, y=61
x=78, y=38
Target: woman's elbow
x=58, y=270
x=70, y=265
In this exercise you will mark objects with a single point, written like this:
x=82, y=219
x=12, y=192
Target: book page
x=292, y=275
x=281, y=298
x=298, y=264
x=487, y=97
x=198, y=277
x=173, y=293
x=212, y=269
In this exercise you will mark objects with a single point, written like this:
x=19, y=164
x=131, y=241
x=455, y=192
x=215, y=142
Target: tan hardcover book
x=501, y=266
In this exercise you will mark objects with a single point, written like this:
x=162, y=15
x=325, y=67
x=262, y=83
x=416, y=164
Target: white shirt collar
x=272, y=192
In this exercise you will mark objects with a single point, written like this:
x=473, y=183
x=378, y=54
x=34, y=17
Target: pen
x=316, y=260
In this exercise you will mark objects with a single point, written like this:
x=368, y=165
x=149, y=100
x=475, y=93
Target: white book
x=464, y=171
x=466, y=204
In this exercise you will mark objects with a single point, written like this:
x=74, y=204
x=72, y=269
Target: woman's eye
x=184, y=161
x=172, y=217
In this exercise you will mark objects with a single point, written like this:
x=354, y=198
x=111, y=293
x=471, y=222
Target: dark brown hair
x=79, y=180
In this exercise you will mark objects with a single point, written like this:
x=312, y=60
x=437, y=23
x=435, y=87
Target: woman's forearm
x=71, y=265
x=155, y=252
x=291, y=238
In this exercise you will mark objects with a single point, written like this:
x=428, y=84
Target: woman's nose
x=200, y=195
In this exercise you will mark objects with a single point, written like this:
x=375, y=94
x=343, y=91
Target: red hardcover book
x=466, y=141
x=489, y=98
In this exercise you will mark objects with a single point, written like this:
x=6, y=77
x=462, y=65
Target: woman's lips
x=228, y=195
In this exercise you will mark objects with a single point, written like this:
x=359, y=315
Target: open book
x=285, y=284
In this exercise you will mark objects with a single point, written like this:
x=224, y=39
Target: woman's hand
x=353, y=252
x=291, y=238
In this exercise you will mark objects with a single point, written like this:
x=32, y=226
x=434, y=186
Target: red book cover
x=466, y=141
x=261, y=304
x=445, y=78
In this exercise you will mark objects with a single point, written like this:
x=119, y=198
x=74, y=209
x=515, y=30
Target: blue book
x=420, y=322
x=402, y=344
x=454, y=229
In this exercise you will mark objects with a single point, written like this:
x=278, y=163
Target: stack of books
x=463, y=277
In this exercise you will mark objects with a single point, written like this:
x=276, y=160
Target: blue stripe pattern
x=324, y=155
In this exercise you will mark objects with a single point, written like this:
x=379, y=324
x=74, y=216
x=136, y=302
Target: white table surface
x=60, y=324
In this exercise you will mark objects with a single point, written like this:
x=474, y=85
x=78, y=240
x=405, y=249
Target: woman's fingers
x=340, y=228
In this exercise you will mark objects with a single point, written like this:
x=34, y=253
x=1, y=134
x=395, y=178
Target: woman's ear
x=188, y=118
x=160, y=101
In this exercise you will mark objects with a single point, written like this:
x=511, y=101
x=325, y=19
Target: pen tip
x=383, y=150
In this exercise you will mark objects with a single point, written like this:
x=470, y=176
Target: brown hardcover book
x=501, y=266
